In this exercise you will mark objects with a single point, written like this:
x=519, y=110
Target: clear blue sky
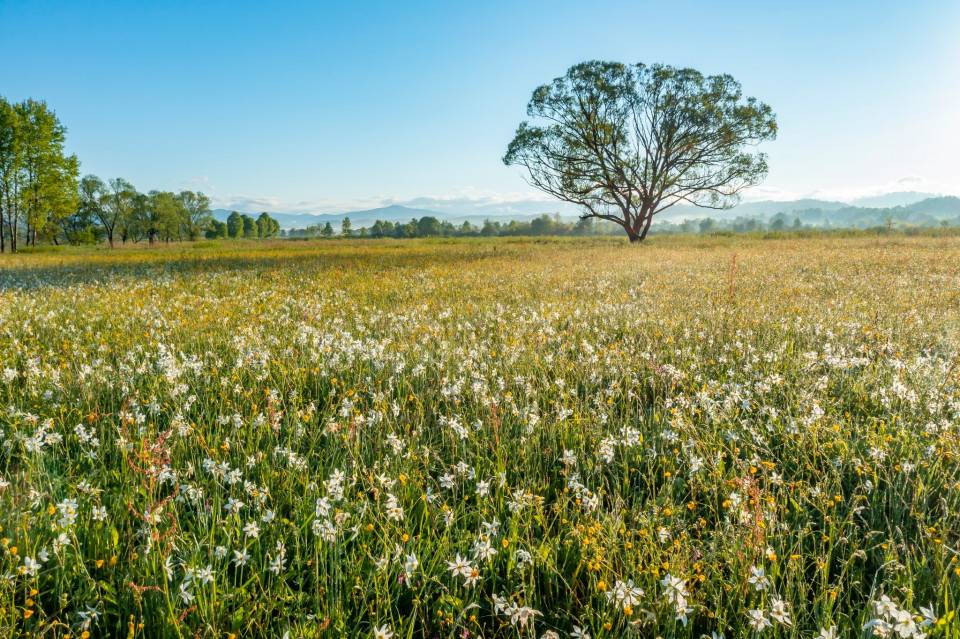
x=322, y=106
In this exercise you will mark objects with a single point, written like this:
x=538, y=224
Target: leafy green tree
x=79, y=228
x=140, y=224
x=428, y=226
x=261, y=225
x=327, y=230
x=407, y=230
x=50, y=185
x=10, y=160
x=267, y=226
x=249, y=226
x=115, y=206
x=196, y=212
x=234, y=225
x=625, y=142
x=541, y=225
x=584, y=226
x=164, y=213
x=92, y=197
x=216, y=230
x=382, y=228
x=38, y=179
x=346, y=229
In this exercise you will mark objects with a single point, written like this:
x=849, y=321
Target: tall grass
x=482, y=438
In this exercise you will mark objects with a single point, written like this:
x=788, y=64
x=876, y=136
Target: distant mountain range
x=909, y=207
x=925, y=211
x=888, y=200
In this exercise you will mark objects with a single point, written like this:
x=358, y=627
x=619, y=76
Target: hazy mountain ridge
x=927, y=211
x=891, y=200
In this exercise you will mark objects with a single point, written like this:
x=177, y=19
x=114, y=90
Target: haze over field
x=922, y=209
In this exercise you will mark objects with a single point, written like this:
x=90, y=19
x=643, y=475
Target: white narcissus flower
x=251, y=529
x=460, y=567
x=625, y=594
x=675, y=592
x=929, y=616
x=778, y=611
x=758, y=620
x=758, y=578
x=410, y=565
x=30, y=566
x=827, y=633
x=463, y=568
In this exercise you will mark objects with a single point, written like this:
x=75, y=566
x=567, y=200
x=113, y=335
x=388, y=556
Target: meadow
x=695, y=437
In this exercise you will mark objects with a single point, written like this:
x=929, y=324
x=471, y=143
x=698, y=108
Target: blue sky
x=330, y=106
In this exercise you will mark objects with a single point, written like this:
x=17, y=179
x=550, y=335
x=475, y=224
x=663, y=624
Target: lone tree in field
x=626, y=142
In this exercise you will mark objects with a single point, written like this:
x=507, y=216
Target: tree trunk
x=646, y=226
x=637, y=224
x=13, y=222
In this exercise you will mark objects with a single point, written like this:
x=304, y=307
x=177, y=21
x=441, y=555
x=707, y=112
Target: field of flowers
x=482, y=438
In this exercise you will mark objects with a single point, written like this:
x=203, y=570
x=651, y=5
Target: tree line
x=241, y=225
x=429, y=226
x=116, y=211
x=545, y=224
x=43, y=197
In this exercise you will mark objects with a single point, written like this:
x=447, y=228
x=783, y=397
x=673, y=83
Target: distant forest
x=930, y=213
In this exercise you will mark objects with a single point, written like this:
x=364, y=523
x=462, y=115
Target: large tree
x=234, y=225
x=267, y=226
x=11, y=159
x=625, y=142
x=196, y=209
x=115, y=207
x=37, y=178
x=49, y=191
x=158, y=214
x=249, y=226
x=93, y=204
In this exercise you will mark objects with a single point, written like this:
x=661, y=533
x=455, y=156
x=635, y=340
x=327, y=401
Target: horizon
x=331, y=109
x=911, y=197
x=570, y=212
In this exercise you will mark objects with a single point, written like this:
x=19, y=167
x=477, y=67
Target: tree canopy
x=41, y=195
x=38, y=179
x=626, y=142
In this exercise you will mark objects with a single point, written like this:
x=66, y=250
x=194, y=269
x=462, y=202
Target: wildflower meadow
x=697, y=437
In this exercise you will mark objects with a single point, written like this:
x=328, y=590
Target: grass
x=482, y=438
